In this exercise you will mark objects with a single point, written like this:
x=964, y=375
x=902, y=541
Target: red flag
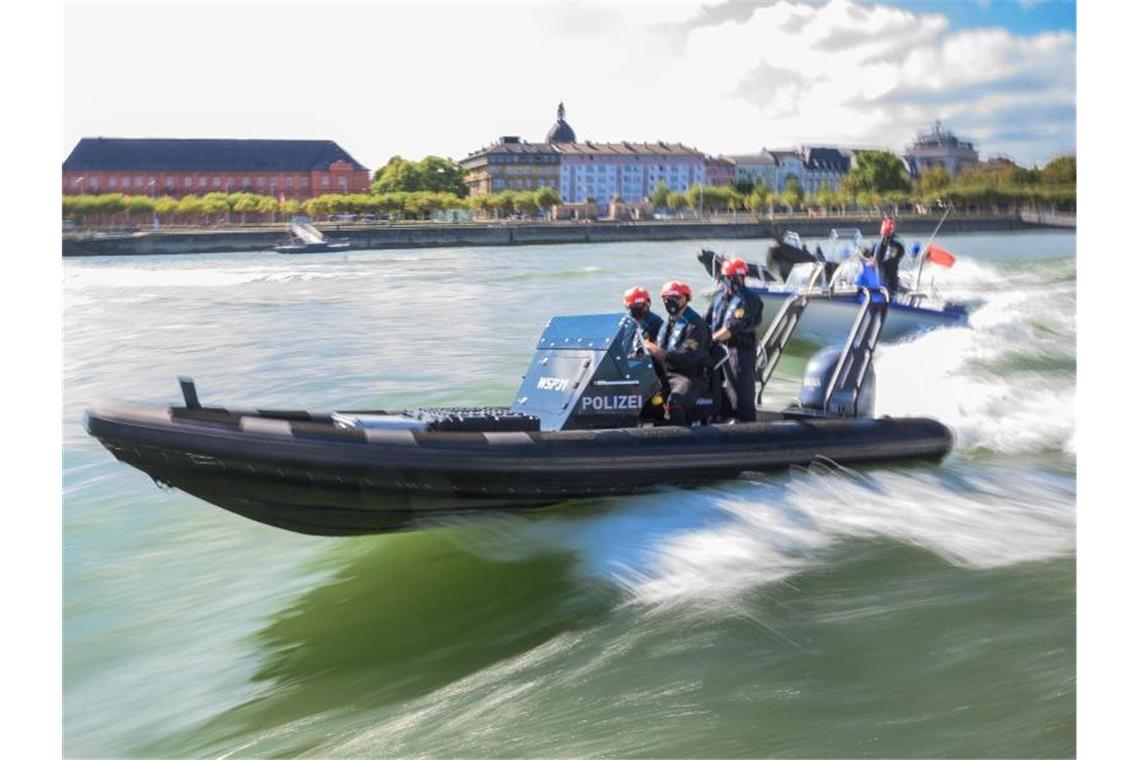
x=940, y=256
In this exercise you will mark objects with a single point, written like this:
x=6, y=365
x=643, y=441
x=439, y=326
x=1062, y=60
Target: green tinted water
x=885, y=611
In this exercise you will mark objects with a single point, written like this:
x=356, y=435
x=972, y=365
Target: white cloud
x=448, y=78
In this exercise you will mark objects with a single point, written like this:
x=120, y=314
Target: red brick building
x=291, y=168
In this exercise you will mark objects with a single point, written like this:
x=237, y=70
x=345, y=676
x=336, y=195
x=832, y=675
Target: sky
x=447, y=79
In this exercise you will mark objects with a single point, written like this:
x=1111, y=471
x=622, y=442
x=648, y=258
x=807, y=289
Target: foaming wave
x=773, y=530
x=1007, y=382
x=937, y=376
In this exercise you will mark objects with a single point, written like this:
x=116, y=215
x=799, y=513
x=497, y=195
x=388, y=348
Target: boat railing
x=776, y=339
x=846, y=381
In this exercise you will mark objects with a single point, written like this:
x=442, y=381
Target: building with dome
x=561, y=132
x=582, y=171
x=511, y=163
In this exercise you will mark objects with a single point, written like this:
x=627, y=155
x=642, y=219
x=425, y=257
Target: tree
x=190, y=206
x=745, y=185
x=166, y=206
x=695, y=198
x=266, y=205
x=825, y=198
x=660, y=194
x=527, y=203
x=676, y=201
x=432, y=174
x=1062, y=170
x=506, y=201
x=108, y=205
x=442, y=175
x=756, y=201
x=547, y=199
x=215, y=205
x=876, y=172
x=138, y=204
x=245, y=203
x=793, y=194
x=931, y=184
x=484, y=204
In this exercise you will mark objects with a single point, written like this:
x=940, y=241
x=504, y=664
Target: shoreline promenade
x=512, y=233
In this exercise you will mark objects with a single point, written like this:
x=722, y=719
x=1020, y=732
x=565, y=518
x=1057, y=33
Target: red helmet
x=736, y=266
x=676, y=288
x=636, y=294
x=887, y=228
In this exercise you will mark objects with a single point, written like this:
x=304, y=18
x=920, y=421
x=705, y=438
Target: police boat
x=915, y=309
x=584, y=423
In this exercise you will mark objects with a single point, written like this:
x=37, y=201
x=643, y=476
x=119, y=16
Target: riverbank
x=444, y=234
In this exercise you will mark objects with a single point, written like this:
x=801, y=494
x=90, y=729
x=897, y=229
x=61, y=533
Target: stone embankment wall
x=513, y=233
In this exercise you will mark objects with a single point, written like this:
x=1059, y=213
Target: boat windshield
x=805, y=275
x=843, y=243
x=792, y=239
x=846, y=273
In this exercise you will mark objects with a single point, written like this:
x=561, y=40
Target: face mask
x=638, y=310
x=673, y=306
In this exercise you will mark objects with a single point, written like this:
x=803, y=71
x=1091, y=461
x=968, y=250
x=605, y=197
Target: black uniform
x=740, y=313
x=685, y=341
x=889, y=253
x=649, y=325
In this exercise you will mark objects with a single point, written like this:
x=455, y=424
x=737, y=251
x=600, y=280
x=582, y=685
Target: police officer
x=888, y=254
x=732, y=317
x=869, y=276
x=682, y=351
x=637, y=303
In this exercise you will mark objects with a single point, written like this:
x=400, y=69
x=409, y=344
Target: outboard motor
x=817, y=376
x=584, y=375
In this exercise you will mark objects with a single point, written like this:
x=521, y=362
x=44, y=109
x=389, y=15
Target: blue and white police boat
x=585, y=422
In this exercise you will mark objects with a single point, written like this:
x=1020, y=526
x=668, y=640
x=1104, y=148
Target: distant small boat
x=305, y=238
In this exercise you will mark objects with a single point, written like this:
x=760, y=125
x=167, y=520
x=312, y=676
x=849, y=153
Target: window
x=289, y=182
x=217, y=181
x=126, y=181
x=94, y=183
x=246, y=181
x=201, y=181
x=187, y=182
x=261, y=181
x=304, y=181
x=112, y=182
x=324, y=181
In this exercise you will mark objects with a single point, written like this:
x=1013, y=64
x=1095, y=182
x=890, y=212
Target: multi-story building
x=824, y=167
x=811, y=166
x=510, y=164
x=719, y=170
x=582, y=171
x=291, y=168
x=630, y=171
x=514, y=164
x=939, y=147
x=757, y=167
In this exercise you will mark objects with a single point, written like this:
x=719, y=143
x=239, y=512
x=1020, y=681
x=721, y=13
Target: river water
x=921, y=610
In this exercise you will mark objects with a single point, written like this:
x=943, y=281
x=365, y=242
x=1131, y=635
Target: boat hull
x=327, y=247
x=829, y=319
x=299, y=472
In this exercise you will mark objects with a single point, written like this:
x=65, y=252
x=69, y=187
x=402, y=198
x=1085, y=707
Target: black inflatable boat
x=581, y=425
